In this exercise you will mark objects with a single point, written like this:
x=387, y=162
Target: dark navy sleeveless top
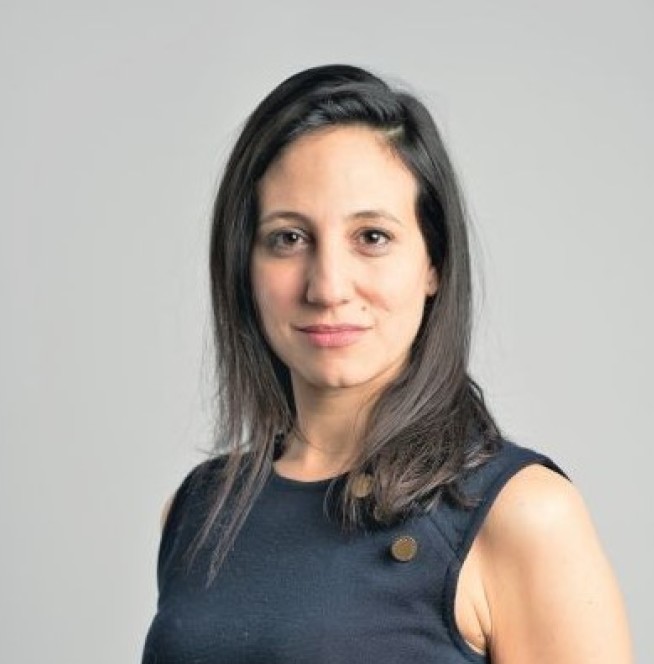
x=296, y=590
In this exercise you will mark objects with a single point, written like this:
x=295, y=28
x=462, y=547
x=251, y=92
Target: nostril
x=327, y=291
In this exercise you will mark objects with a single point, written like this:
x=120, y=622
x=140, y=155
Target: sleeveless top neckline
x=303, y=485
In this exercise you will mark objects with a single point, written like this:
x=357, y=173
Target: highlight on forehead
x=387, y=137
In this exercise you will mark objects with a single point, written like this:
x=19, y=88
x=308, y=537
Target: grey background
x=115, y=121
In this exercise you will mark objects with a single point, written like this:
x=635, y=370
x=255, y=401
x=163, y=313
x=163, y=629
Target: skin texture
x=536, y=587
x=330, y=268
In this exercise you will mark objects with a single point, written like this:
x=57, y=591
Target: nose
x=329, y=278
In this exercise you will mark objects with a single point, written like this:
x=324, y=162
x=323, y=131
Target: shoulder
x=479, y=487
x=506, y=459
x=199, y=473
x=551, y=592
x=534, y=504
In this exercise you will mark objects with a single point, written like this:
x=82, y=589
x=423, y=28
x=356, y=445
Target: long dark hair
x=430, y=424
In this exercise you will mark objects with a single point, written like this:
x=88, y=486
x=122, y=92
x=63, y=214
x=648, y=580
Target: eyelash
x=274, y=237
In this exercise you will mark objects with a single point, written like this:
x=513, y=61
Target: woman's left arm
x=551, y=593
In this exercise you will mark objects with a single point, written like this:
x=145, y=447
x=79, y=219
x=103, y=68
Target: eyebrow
x=298, y=216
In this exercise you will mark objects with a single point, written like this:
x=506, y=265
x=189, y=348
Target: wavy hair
x=429, y=426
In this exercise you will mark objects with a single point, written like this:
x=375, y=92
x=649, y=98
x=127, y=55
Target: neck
x=328, y=431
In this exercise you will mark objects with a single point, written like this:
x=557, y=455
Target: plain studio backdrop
x=116, y=119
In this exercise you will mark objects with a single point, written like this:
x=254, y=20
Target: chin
x=335, y=381
x=339, y=379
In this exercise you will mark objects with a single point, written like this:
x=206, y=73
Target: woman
x=362, y=505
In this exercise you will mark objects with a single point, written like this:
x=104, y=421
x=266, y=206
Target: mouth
x=331, y=328
x=333, y=336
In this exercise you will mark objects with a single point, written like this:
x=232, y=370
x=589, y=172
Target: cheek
x=400, y=292
x=273, y=290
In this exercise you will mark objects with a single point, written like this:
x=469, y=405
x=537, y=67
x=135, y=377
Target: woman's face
x=340, y=270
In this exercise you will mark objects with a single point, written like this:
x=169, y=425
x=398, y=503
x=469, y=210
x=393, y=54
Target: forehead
x=337, y=163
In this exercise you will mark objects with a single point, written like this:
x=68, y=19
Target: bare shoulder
x=535, y=504
x=551, y=591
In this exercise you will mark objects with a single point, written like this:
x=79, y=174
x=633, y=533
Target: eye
x=284, y=241
x=375, y=238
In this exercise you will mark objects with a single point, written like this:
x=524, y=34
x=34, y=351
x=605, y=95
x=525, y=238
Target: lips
x=346, y=327
x=333, y=336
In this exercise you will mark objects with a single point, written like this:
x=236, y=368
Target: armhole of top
x=480, y=512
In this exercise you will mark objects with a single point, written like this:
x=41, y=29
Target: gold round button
x=404, y=548
x=362, y=485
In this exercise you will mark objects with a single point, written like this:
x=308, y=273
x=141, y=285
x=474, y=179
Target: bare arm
x=551, y=593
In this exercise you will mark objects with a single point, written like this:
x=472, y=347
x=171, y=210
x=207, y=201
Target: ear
x=432, y=282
